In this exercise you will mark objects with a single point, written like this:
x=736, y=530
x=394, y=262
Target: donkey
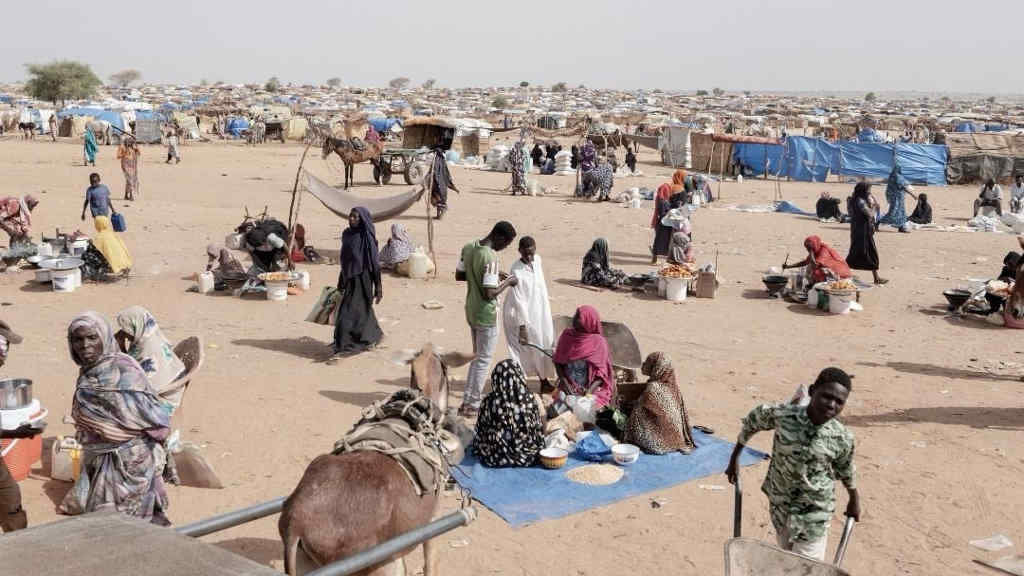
x=353, y=501
x=350, y=156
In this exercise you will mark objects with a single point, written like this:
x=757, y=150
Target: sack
x=117, y=221
x=325, y=311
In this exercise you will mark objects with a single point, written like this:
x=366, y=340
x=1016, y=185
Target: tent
x=674, y=145
x=976, y=157
x=236, y=125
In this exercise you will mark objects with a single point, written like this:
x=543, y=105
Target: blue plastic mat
x=524, y=496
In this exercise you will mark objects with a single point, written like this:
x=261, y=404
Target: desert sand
x=936, y=404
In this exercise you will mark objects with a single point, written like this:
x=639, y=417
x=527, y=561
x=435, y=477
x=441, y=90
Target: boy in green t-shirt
x=478, y=267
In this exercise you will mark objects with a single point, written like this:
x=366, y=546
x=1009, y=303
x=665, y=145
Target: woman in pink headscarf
x=583, y=361
x=16, y=218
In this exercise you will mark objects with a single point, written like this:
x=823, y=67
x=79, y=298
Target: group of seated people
x=130, y=382
x=827, y=210
x=544, y=158
x=510, y=428
x=991, y=196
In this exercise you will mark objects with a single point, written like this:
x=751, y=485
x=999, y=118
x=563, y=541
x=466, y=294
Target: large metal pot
x=14, y=394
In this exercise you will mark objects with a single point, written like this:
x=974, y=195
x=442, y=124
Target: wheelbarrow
x=750, y=557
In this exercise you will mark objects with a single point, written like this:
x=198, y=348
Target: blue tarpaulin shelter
x=383, y=125
x=236, y=125
x=809, y=159
x=966, y=127
x=869, y=135
x=754, y=158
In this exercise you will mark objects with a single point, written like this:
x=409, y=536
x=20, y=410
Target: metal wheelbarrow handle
x=844, y=540
x=737, y=509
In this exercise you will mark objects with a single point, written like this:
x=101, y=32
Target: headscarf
x=678, y=181
x=680, y=251
x=398, y=247
x=589, y=345
x=827, y=257
x=598, y=254
x=897, y=183
x=359, y=246
x=923, y=210
x=25, y=206
x=151, y=350
x=508, y=430
x=109, y=244
x=659, y=423
x=588, y=156
x=113, y=398
x=8, y=334
x=664, y=193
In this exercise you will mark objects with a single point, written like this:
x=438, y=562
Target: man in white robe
x=526, y=315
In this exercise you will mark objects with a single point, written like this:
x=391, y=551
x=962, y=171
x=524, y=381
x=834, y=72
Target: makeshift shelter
x=709, y=156
x=976, y=157
x=297, y=128
x=468, y=137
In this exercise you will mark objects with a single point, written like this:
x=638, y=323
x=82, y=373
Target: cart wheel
x=385, y=176
x=415, y=173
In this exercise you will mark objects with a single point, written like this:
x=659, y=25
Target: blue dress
x=895, y=192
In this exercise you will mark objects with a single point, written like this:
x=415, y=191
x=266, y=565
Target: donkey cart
x=411, y=164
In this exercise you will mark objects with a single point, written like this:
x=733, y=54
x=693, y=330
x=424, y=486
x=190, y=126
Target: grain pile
x=595, y=474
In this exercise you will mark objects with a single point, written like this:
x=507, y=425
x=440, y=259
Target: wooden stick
x=292, y=207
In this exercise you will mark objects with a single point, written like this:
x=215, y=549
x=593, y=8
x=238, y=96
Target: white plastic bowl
x=625, y=454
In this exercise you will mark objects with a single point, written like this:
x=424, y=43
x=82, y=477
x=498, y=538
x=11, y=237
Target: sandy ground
x=936, y=403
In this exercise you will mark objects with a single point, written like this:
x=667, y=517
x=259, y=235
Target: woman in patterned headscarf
x=140, y=337
x=398, y=248
x=508, y=429
x=122, y=425
x=658, y=423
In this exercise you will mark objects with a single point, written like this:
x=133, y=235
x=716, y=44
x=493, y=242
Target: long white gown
x=527, y=303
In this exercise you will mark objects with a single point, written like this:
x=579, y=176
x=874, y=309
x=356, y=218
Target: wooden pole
x=294, y=209
x=721, y=171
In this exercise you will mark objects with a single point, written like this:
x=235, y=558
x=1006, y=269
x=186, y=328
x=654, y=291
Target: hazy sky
x=778, y=45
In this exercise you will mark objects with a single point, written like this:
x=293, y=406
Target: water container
x=206, y=282
x=42, y=275
x=277, y=291
x=76, y=275
x=739, y=178
x=419, y=264
x=78, y=247
x=676, y=288
x=63, y=280
x=840, y=302
x=45, y=250
x=304, y=279
x=66, y=459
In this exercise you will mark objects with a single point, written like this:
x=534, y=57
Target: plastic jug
x=67, y=459
x=304, y=279
x=419, y=264
x=206, y=282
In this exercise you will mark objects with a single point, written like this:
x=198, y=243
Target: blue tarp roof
x=236, y=124
x=869, y=135
x=966, y=127
x=384, y=124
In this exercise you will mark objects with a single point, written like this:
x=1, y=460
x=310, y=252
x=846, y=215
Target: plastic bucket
x=76, y=275
x=419, y=263
x=676, y=289
x=45, y=250
x=277, y=290
x=78, y=247
x=817, y=297
x=21, y=453
x=42, y=275
x=661, y=286
x=63, y=280
x=840, y=302
x=304, y=280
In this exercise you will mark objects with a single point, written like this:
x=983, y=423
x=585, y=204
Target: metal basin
x=14, y=394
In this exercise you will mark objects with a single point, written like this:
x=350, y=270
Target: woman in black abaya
x=356, y=328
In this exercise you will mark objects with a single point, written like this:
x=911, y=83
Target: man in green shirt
x=809, y=451
x=478, y=267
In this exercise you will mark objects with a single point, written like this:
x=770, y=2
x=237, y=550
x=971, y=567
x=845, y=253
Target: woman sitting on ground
x=583, y=361
x=397, y=249
x=229, y=272
x=140, y=337
x=923, y=211
x=1010, y=264
x=596, y=269
x=658, y=423
x=122, y=424
x=823, y=262
x=827, y=208
x=681, y=250
x=106, y=253
x=508, y=429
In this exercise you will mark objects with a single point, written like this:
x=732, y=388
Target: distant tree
x=870, y=97
x=499, y=102
x=991, y=100
x=334, y=82
x=61, y=80
x=746, y=93
x=702, y=92
x=272, y=85
x=560, y=87
x=524, y=84
x=717, y=91
x=582, y=87
x=429, y=84
x=398, y=83
x=125, y=77
x=204, y=82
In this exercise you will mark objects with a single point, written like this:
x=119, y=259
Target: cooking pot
x=14, y=394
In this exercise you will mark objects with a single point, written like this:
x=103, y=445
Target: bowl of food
x=625, y=454
x=956, y=297
x=553, y=458
x=774, y=283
